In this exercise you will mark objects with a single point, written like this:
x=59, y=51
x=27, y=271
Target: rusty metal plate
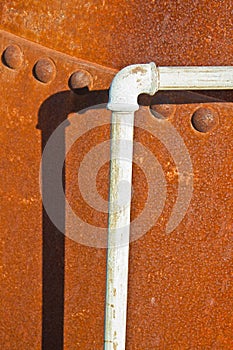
x=180, y=284
x=32, y=249
x=24, y=57
x=116, y=33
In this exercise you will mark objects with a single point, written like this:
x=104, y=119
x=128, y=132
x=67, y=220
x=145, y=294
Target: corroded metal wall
x=53, y=288
x=117, y=33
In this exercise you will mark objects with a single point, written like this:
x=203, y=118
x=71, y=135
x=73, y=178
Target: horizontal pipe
x=195, y=78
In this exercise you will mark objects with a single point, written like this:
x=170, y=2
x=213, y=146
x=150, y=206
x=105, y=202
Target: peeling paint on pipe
x=195, y=78
x=125, y=88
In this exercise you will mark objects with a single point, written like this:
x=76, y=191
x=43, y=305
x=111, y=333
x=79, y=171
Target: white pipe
x=130, y=82
x=195, y=78
x=126, y=86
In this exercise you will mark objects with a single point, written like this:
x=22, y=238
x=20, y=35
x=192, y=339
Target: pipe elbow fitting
x=130, y=82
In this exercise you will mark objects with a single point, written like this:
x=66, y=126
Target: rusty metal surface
x=32, y=249
x=36, y=60
x=180, y=285
x=116, y=33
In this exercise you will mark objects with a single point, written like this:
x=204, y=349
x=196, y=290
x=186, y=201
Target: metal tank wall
x=52, y=287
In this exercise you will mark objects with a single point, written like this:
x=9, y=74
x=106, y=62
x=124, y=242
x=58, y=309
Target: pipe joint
x=130, y=82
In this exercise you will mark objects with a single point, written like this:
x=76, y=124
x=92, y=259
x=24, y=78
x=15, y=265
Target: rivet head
x=204, y=120
x=162, y=111
x=44, y=70
x=12, y=57
x=80, y=79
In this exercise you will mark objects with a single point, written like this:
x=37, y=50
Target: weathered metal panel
x=180, y=285
x=117, y=33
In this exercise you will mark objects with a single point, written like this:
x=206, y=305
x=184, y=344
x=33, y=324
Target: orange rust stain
x=139, y=70
x=188, y=269
x=125, y=32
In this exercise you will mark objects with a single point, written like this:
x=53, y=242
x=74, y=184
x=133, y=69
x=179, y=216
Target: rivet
x=162, y=111
x=12, y=57
x=80, y=79
x=44, y=70
x=204, y=119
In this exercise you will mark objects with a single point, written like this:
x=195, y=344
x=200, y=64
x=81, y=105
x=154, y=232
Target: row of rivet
x=44, y=70
x=203, y=119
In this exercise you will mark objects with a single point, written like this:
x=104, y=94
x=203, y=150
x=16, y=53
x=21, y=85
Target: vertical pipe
x=118, y=229
x=126, y=86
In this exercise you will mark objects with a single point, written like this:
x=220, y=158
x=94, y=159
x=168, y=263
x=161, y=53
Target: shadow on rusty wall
x=52, y=113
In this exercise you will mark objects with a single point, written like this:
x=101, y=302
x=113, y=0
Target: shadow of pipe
x=52, y=113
